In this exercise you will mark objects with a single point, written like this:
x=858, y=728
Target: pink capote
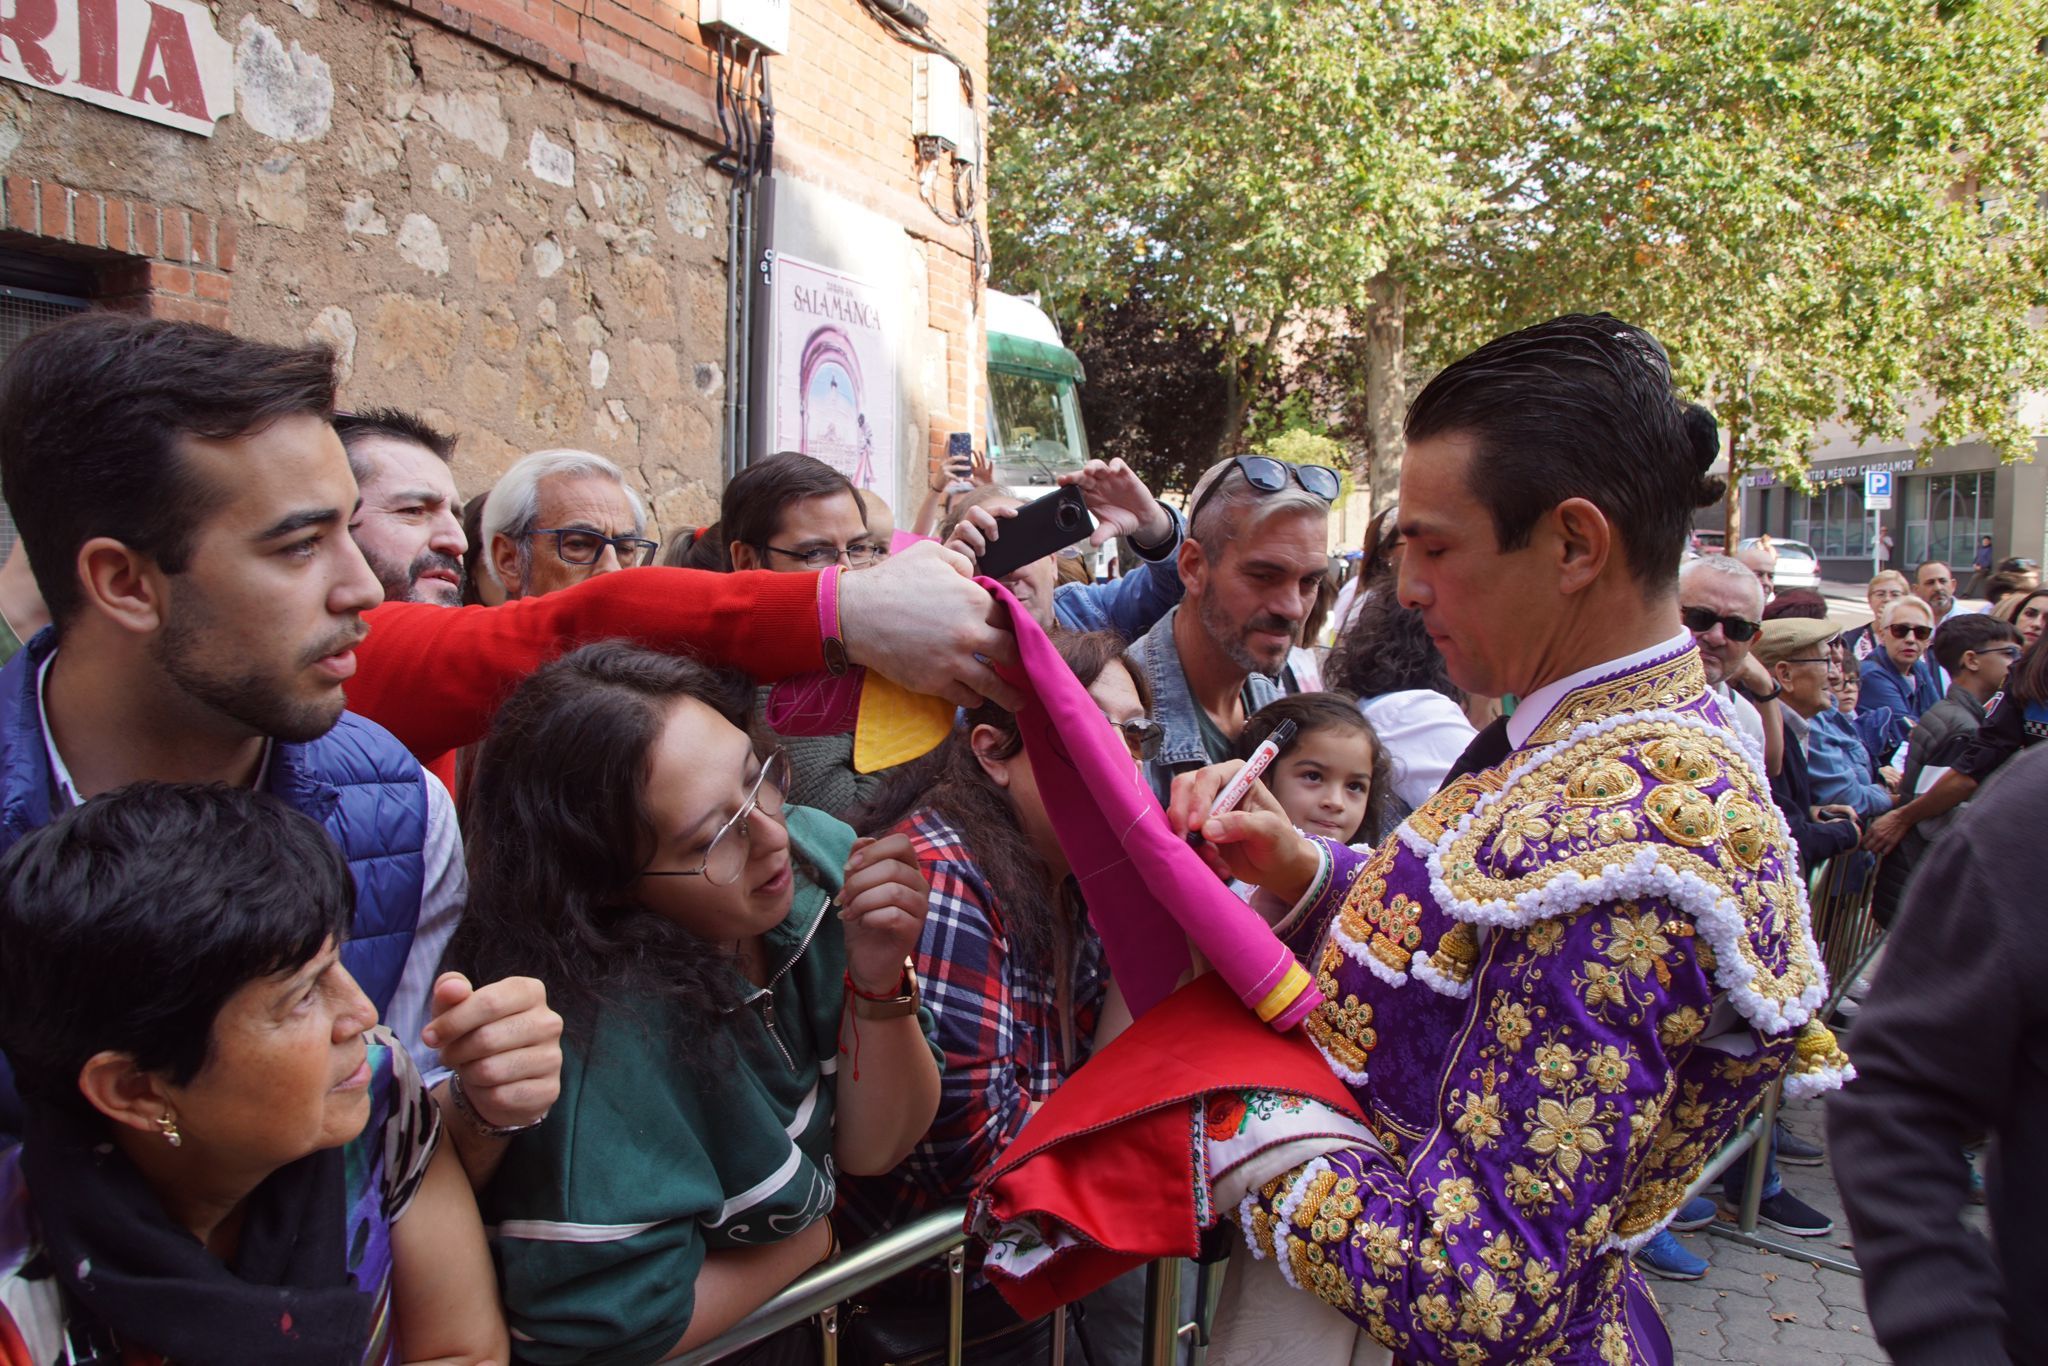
x=1149, y=894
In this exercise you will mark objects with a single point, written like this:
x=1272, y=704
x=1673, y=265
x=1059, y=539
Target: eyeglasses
x=1700, y=620
x=725, y=858
x=859, y=555
x=1269, y=475
x=1900, y=630
x=1142, y=736
x=1810, y=659
x=2009, y=651
x=576, y=546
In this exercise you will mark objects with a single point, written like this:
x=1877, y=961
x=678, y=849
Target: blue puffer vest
x=357, y=781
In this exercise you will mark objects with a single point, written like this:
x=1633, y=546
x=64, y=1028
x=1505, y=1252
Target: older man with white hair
x=1721, y=602
x=558, y=517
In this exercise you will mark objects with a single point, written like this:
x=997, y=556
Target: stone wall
x=498, y=216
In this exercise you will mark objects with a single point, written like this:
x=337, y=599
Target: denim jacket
x=1841, y=767
x=1175, y=708
x=1131, y=604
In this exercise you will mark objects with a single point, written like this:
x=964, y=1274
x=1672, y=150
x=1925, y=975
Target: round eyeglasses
x=725, y=858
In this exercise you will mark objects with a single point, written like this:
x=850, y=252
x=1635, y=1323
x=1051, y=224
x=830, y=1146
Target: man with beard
x=185, y=504
x=1254, y=557
x=1934, y=583
x=409, y=526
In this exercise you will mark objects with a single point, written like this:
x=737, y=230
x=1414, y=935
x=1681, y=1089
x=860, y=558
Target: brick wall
x=391, y=183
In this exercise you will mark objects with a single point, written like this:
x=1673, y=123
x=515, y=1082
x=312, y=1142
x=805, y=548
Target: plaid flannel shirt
x=997, y=1020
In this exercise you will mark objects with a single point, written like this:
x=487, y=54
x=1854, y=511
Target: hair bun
x=1703, y=436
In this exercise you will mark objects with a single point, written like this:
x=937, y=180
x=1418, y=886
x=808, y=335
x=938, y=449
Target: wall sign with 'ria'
x=155, y=59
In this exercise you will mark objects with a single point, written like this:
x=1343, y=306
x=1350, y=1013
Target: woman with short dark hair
x=226, y=1159
x=739, y=1025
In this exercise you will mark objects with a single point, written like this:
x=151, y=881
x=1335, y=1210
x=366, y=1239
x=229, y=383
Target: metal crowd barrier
x=1848, y=936
x=819, y=1295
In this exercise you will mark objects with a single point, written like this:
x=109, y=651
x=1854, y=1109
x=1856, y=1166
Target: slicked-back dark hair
x=557, y=826
x=129, y=921
x=93, y=412
x=395, y=424
x=1967, y=631
x=1579, y=407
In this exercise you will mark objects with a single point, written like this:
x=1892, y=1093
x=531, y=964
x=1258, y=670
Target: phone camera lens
x=1068, y=517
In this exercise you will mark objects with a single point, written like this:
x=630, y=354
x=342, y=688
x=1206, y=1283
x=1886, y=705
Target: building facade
x=1938, y=511
x=504, y=214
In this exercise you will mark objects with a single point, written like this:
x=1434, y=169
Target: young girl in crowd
x=738, y=1022
x=1333, y=777
x=1015, y=976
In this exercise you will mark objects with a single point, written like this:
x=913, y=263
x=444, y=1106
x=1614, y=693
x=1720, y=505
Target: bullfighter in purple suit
x=1574, y=972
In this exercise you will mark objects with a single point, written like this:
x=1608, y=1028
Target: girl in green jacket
x=740, y=1023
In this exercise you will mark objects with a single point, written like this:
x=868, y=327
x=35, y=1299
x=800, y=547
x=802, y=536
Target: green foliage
x=1301, y=446
x=1823, y=209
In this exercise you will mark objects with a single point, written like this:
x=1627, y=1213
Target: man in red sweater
x=435, y=676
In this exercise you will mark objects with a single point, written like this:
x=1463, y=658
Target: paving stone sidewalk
x=1758, y=1307
x=1762, y=1308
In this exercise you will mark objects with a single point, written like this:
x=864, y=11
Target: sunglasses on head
x=1700, y=620
x=1901, y=630
x=1269, y=475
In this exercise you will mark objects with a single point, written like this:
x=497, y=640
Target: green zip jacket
x=600, y=1218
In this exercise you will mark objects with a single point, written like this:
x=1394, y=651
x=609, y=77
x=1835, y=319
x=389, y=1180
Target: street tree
x=1824, y=210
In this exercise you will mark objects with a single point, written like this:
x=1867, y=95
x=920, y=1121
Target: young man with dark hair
x=1595, y=913
x=185, y=504
x=409, y=526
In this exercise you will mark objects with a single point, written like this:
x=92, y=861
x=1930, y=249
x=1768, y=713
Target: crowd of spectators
x=383, y=867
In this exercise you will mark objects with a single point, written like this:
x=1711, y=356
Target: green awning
x=1021, y=355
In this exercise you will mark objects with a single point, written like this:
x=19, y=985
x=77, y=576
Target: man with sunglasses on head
x=1899, y=675
x=1256, y=552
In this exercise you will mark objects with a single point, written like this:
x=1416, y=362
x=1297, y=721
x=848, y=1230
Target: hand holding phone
x=1038, y=529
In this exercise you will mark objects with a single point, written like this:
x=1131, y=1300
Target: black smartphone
x=1040, y=528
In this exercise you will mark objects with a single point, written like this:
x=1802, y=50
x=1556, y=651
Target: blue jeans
x=1735, y=1180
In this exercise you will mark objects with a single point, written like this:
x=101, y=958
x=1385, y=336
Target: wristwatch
x=904, y=1002
x=477, y=1121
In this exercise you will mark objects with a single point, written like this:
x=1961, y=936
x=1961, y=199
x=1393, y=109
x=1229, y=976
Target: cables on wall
x=745, y=108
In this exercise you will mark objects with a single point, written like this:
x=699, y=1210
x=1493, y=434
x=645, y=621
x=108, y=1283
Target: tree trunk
x=1386, y=386
x=1733, y=500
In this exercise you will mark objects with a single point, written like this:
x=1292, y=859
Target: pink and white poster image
x=835, y=372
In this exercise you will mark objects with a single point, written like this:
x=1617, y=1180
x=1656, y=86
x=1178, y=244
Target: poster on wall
x=835, y=372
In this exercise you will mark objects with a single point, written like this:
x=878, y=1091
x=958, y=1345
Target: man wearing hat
x=1557, y=989
x=1256, y=552
x=1843, y=773
x=1787, y=648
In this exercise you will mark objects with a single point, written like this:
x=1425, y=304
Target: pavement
x=1762, y=1308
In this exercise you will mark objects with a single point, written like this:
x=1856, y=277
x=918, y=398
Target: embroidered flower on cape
x=1566, y=1132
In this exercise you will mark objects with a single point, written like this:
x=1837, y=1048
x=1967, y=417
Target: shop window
x=1945, y=514
x=1832, y=520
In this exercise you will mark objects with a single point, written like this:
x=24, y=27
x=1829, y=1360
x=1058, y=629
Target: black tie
x=1487, y=749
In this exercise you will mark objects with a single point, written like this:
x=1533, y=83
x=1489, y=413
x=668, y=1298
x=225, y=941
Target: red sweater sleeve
x=435, y=676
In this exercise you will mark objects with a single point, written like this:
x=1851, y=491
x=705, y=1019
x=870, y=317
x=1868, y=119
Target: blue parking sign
x=1877, y=490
